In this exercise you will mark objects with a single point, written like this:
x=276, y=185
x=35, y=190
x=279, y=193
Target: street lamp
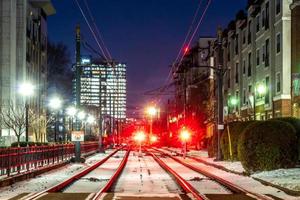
x=260, y=89
x=71, y=112
x=139, y=137
x=152, y=112
x=55, y=103
x=26, y=89
x=185, y=137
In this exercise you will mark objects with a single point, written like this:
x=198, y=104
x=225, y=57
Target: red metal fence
x=22, y=159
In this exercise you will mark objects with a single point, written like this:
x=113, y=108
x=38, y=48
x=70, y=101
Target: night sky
x=145, y=34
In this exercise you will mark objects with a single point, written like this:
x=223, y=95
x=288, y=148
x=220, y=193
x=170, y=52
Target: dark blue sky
x=146, y=34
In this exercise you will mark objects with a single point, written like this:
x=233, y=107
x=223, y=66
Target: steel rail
x=72, y=179
x=113, y=179
x=231, y=186
x=186, y=186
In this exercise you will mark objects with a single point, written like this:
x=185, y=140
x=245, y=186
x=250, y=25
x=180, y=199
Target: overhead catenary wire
x=174, y=67
x=91, y=29
x=97, y=30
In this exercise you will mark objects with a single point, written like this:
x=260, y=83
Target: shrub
x=296, y=124
x=268, y=145
x=24, y=144
x=235, y=129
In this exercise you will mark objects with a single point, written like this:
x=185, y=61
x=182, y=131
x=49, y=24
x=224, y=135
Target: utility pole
x=78, y=88
x=219, y=73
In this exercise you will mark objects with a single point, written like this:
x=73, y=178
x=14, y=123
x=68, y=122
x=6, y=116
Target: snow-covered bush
x=268, y=145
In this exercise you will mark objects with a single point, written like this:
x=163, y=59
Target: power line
x=97, y=29
x=93, y=33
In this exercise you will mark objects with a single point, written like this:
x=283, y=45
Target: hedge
x=268, y=145
x=24, y=144
x=295, y=122
x=235, y=129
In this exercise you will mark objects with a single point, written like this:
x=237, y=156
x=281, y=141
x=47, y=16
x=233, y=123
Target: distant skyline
x=146, y=35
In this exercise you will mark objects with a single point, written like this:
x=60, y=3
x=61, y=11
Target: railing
x=22, y=159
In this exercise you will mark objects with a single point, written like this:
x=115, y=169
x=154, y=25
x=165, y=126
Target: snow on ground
x=203, y=184
x=288, y=178
x=48, y=179
x=96, y=179
x=142, y=175
x=245, y=182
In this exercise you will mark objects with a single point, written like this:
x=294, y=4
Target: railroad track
x=236, y=191
x=59, y=188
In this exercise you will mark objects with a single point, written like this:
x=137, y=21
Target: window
x=249, y=65
x=244, y=36
x=263, y=54
x=244, y=96
x=267, y=96
x=237, y=44
x=257, y=57
x=249, y=32
x=267, y=18
x=278, y=83
x=228, y=52
x=244, y=67
x=237, y=73
x=278, y=43
x=237, y=97
x=257, y=23
x=229, y=77
x=263, y=18
x=278, y=6
x=267, y=54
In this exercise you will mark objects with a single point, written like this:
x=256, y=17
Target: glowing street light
x=153, y=139
x=233, y=101
x=185, y=136
x=261, y=89
x=152, y=112
x=71, y=111
x=81, y=115
x=26, y=89
x=140, y=137
x=90, y=119
x=55, y=103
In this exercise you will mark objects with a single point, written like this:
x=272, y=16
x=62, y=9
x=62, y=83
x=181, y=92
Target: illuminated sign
x=77, y=136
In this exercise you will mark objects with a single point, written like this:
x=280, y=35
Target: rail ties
x=59, y=187
x=229, y=185
x=186, y=186
x=113, y=179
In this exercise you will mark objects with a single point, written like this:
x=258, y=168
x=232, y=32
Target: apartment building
x=259, y=47
x=23, y=52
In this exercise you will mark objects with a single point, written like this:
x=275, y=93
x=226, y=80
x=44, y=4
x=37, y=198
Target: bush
x=296, y=124
x=268, y=145
x=24, y=144
x=235, y=129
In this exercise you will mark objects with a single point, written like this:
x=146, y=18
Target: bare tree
x=14, y=118
x=39, y=125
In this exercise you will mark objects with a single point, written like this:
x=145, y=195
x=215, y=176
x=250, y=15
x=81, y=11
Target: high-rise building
x=23, y=51
x=103, y=85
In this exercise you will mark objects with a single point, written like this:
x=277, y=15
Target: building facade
x=23, y=52
x=194, y=90
x=258, y=59
x=103, y=93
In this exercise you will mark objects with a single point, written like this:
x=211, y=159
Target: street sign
x=77, y=136
x=220, y=126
